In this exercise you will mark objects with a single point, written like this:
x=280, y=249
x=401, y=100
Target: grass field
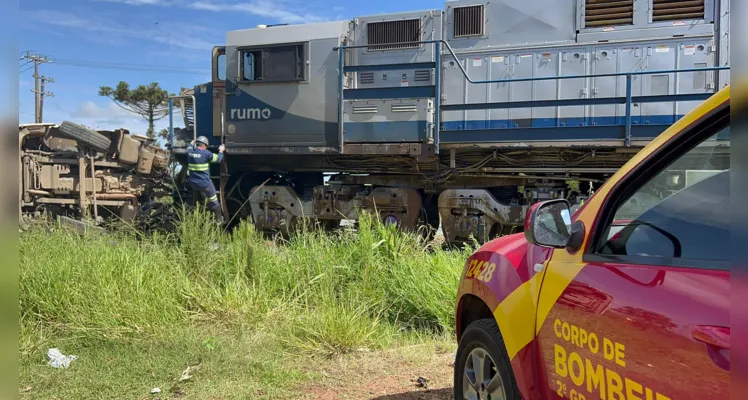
x=252, y=318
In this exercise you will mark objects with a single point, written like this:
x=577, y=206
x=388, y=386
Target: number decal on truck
x=481, y=270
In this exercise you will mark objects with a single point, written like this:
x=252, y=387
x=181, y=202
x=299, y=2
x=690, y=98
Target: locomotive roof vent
x=669, y=10
x=393, y=35
x=468, y=21
x=603, y=13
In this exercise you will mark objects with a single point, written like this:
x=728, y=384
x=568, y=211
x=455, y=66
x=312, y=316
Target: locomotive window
x=251, y=71
x=274, y=64
x=221, y=67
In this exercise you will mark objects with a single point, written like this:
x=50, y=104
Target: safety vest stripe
x=198, y=167
x=215, y=158
x=213, y=198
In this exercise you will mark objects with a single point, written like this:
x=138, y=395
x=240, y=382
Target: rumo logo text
x=250, y=113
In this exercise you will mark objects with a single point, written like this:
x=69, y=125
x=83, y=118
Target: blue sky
x=175, y=35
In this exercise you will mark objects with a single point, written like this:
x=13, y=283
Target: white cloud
x=91, y=110
x=107, y=31
x=137, y=2
x=208, y=6
x=111, y=116
x=283, y=11
x=280, y=11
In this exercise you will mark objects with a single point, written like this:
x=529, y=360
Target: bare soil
x=386, y=375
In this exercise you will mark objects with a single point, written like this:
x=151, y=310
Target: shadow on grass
x=439, y=394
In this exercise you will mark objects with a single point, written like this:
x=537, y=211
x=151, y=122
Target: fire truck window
x=683, y=212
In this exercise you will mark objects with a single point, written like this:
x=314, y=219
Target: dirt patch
x=386, y=375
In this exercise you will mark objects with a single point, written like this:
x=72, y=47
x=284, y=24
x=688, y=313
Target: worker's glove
x=221, y=148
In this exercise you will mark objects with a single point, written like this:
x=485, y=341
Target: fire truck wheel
x=85, y=136
x=482, y=368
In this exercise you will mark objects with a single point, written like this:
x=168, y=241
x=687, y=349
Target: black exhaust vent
x=422, y=75
x=599, y=13
x=393, y=35
x=365, y=77
x=468, y=21
x=677, y=10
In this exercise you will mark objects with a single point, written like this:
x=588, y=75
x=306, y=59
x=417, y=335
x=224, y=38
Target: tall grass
x=316, y=292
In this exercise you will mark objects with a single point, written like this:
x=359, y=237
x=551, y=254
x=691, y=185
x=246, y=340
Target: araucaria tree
x=149, y=101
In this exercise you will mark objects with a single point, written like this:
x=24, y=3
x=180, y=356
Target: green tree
x=149, y=101
x=164, y=134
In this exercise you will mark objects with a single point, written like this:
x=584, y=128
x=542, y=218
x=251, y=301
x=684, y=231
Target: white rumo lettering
x=250, y=113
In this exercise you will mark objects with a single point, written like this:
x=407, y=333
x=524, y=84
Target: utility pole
x=38, y=83
x=42, y=93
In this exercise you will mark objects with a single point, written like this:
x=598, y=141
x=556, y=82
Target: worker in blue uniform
x=199, y=159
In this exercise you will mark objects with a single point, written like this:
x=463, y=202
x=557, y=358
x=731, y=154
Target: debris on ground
x=82, y=227
x=59, y=360
x=177, y=391
x=185, y=375
x=155, y=391
x=422, y=382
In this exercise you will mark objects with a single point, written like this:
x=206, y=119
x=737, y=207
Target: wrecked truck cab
x=600, y=303
x=72, y=171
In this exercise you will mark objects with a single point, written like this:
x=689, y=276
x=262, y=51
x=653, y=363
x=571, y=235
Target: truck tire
x=85, y=136
x=482, y=341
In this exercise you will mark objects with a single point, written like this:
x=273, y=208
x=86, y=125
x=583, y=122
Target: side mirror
x=548, y=224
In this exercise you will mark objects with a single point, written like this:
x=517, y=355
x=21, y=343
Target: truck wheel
x=85, y=136
x=482, y=368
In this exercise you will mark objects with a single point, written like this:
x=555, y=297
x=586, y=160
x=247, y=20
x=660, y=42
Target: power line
x=132, y=67
x=56, y=104
x=128, y=65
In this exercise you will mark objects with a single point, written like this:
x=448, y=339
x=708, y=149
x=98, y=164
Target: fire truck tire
x=85, y=136
x=482, y=338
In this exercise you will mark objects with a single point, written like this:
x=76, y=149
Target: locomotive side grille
x=468, y=21
x=393, y=35
x=669, y=10
x=422, y=75
x=608, y=12
x=366, y=77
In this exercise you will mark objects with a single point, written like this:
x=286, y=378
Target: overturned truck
x=75, y=172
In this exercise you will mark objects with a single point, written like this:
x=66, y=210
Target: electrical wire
x=132, y=67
